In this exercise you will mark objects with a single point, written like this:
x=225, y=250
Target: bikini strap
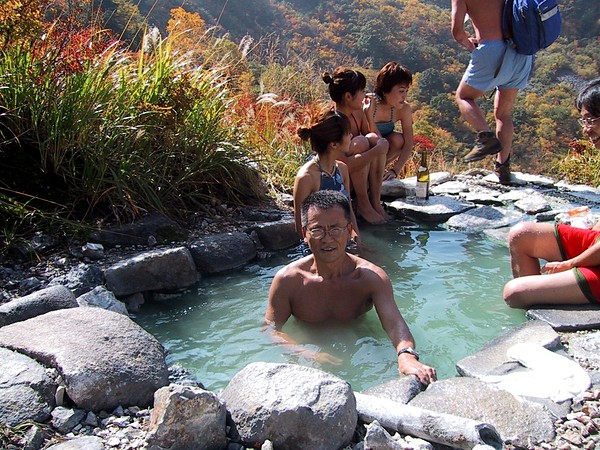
x=323, y=171
x=392, y=114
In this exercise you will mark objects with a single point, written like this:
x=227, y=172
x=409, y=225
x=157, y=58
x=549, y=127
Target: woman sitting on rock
x=367, y=153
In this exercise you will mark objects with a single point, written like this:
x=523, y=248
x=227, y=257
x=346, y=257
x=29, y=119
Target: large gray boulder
x=37, y=303
x=159, y=270
x=519, y=422
x=294, y=407
x=26, y=390
x=221, y=252
x=104, y=358
x=186, y=417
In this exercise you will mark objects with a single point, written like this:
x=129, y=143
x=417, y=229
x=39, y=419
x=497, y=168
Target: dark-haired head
x=325, y=200
x=342, y=81
x=589, y=98
x=327, y=127
x=389, y=76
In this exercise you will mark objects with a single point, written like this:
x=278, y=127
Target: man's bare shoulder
x=295, y=269
x=368, y=269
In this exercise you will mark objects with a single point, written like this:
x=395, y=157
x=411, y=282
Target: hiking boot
x=486, y=144
x=502, y=171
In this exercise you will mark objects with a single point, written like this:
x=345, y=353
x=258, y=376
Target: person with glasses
x=329, y=136
x=367, y=154
x=572, y=272
x=333, y=286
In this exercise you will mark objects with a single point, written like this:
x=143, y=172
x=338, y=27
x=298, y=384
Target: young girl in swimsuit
x=329, y=137
x=387, y=107
x=367, y=154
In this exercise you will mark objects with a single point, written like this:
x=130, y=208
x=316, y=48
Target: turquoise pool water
x=448, y=286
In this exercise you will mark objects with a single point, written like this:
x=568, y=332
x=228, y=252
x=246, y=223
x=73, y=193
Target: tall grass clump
x=107, y=133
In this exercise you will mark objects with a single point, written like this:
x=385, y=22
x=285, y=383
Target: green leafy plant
x=582, y=164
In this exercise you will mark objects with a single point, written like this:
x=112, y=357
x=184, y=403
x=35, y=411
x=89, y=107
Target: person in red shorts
x=572, y=273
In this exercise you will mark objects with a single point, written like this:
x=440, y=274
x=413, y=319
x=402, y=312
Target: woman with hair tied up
x=329, y=137
x=367, y=153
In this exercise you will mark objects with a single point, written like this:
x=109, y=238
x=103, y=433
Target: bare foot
x=379, y=209
x=370, y=215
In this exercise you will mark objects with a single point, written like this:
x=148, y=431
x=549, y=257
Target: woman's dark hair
x=589, y=96
x=342, y=81
x=328, y=126
x=389, y=76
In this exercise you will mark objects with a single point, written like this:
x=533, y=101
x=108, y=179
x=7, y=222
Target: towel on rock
x=549, y=376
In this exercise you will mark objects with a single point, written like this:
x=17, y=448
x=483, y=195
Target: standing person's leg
x=469, y=110
x=503, y=109
x=486, y=142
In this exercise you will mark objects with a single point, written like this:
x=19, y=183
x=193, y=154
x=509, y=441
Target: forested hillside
x=114, y=108
x=367, y=33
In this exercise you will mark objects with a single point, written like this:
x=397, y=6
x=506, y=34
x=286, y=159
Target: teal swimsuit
x=384, y=128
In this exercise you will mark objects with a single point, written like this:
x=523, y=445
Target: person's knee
x=360, y=144
x=519, y=234
x=514, y=295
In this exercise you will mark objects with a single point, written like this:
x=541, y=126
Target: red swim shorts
x=572, y=242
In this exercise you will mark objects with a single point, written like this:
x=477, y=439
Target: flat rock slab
x=492, y=358
x=483, y=218
x=533, y=204
x=450, y=188
x=104, y=358
x=519, y=422
x=568, y=317
x=434, y=209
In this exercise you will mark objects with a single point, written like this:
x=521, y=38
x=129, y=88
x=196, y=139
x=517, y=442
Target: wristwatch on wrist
x=408, y=350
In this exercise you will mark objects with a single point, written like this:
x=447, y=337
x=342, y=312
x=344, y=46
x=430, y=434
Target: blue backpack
x=531, y=24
